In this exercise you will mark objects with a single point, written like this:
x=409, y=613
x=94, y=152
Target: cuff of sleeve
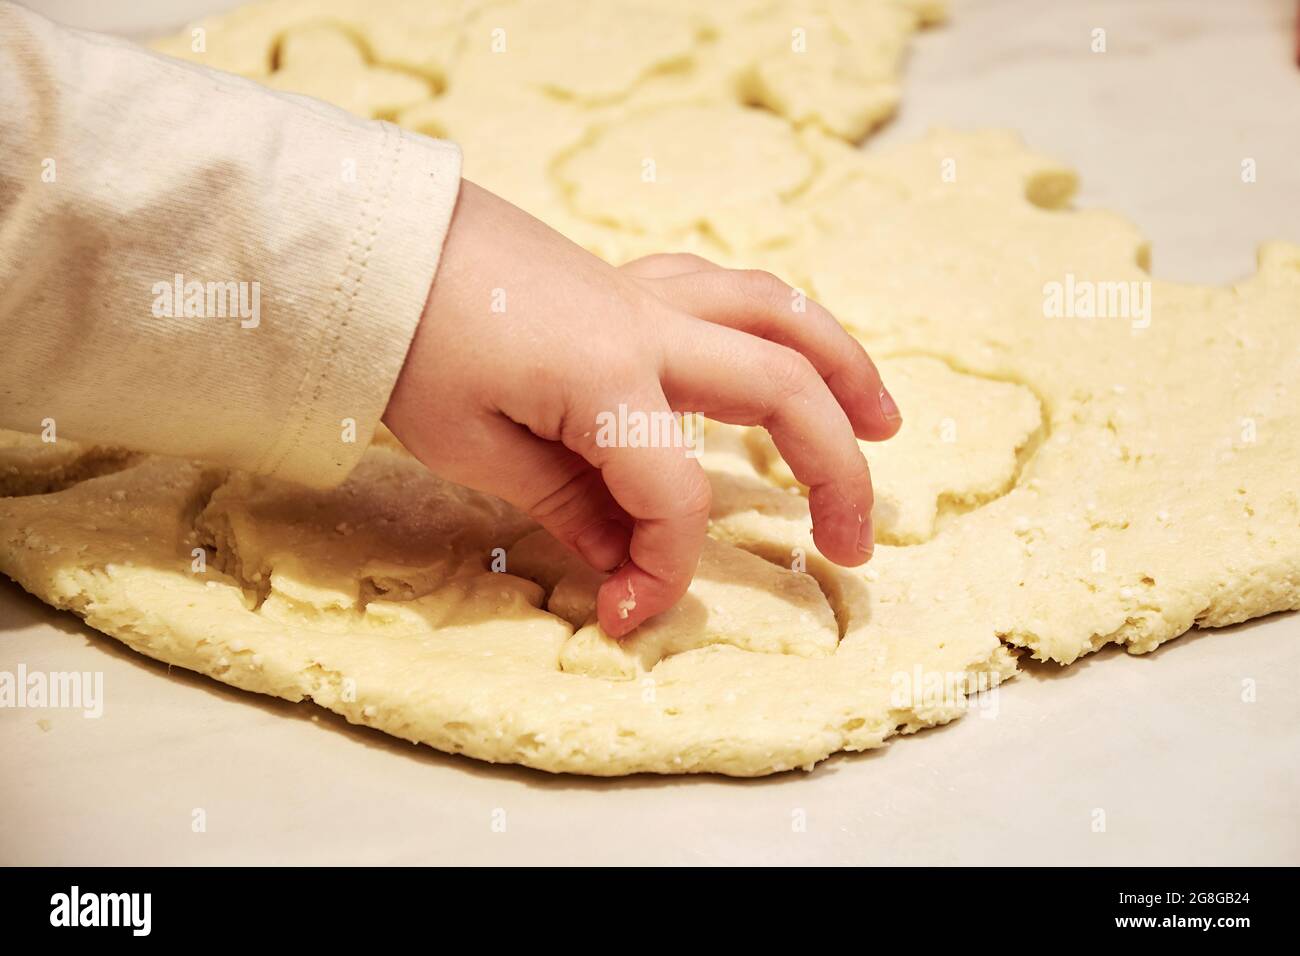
x=376, y=305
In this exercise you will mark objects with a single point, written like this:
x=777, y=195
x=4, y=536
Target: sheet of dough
x=302, y=595
x=1062, y=483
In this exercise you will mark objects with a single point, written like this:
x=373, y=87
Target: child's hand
x=506, y=400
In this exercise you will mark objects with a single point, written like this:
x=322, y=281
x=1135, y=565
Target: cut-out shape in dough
x=322, y=61
x=735, y=598
x=570, y=583
x=418, y=36
x=671, y=171
x=956, y=450
x=833, y=64
x=572, y=49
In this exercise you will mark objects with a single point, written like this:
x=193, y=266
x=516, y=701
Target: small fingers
x=551, y=484
x=661, y=265
x=761, y=304
x=738, y=378
x=665, y=492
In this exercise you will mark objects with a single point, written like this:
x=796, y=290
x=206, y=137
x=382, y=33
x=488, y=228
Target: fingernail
x=889, y=407
x=622, y=618
x=603, y=545
x=866, y=537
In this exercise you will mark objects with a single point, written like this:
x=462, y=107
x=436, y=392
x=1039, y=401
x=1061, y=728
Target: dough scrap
x=1127, y=476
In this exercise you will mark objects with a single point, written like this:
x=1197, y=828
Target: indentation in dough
x=984, y=164
x=406, y=535
x=325, y=61
x=736, y=598
x=752, y=512
x=569, y=582
x=419, y=37
x=31, y=466
x=481, y=122
x=242, y=41
x=1051, y=188
x=573, y=49
x=957, y=449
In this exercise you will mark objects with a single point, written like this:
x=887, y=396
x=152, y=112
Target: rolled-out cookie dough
x=459, y=656
x=1114, y=474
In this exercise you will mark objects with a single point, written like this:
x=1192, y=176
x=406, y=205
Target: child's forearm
x=193, y=265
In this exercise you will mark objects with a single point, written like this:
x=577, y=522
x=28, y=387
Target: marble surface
x=1191, y=754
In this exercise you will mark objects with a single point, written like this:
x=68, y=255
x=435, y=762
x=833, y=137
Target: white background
x=1184, y=770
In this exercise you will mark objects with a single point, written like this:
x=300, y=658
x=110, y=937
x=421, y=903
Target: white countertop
x=1184, y=769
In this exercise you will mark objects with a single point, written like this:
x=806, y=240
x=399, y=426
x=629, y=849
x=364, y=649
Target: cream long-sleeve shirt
x=193, y=265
